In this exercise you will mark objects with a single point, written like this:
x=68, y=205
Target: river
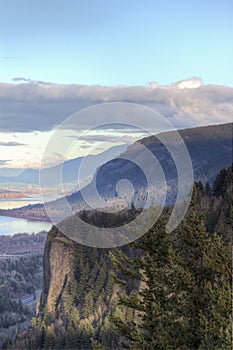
x=10, y=226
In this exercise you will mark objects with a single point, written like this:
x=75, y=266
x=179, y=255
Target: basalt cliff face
x=58, y=268
x=78, y=295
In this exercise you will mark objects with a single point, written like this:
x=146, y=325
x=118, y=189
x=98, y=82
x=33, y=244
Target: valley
x=21, y=274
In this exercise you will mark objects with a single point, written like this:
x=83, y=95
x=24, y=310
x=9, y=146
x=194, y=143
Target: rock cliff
x=58, y=268
x=78, y=295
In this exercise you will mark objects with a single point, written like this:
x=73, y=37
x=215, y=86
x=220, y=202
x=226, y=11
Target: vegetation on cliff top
x=169, y=290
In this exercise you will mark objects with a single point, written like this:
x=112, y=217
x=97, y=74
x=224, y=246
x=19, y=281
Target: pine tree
x=219, y=183
x=208, y=188
x=207, y=283
x=180, y=287
x=49, y=341
x=152, y=272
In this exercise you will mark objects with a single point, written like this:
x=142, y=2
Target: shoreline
x=26, y=217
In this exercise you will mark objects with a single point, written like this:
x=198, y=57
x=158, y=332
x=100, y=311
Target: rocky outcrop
x=58, y=268
x=78, y=295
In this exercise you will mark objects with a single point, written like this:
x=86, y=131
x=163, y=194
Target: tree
x=183, y=299
x=219, y=183
x=49, y=341
x=207, y=284
x=152, y=272
x=208, y=188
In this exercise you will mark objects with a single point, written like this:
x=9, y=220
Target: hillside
x=21, y=270
x=210, y=149
x=79, y=300
x=23, y=244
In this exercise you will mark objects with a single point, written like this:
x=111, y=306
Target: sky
x=111, y=42
x=57, y=57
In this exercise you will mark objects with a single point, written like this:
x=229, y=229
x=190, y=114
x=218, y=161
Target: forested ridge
x=23, y=243
x=210, y=149
x=164, y=291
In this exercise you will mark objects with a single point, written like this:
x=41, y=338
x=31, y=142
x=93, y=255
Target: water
x=9, y=226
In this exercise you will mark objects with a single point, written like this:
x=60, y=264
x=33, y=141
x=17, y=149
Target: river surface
x=10, y=226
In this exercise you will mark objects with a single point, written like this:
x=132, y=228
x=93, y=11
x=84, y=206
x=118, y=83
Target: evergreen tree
x=183, y=299
x=153, y=273
x=207, y=280
x=208, y=188
x=219, y=183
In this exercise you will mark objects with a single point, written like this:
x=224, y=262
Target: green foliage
x=96, y=345
x=220, y=216
x=164, y=291
x=184, y=296
x=19, y=277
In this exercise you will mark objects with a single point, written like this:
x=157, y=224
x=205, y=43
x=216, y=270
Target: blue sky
x=111, y=43
x=115, y=42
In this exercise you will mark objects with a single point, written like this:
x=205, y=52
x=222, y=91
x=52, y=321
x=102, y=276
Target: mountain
x=210, y=149
x=70, y=168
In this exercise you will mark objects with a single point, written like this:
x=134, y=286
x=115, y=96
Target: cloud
x=11, y=143
x=153, y=85
x=40, y=106
x=9, y=58
x=84, y=146
x=3, y=162
x=192, y=83
x=108, y=138
x=20, y=79
x=36, y=82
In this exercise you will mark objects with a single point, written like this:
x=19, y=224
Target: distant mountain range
x=210, y=149
x=70, y=169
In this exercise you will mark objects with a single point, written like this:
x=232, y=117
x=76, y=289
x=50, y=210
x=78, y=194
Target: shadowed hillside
x=210, y=150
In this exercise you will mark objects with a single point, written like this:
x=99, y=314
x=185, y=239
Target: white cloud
x=153, y=85
x=30, y=110
x=11, y=143
x=192, y=83
x=36, y=105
